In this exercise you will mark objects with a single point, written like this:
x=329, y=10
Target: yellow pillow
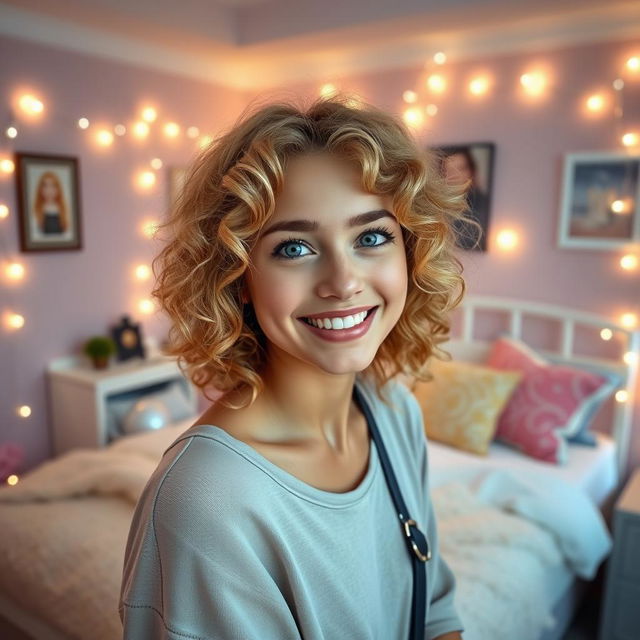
x=463, y=402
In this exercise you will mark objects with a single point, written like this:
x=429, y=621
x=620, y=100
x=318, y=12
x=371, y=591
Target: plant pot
x=100, y=362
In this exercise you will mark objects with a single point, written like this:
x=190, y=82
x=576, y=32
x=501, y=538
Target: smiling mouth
x=337, y=324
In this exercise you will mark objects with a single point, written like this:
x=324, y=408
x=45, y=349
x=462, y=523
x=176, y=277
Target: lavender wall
x=69, y=295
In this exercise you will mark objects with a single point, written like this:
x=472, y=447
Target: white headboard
x=467, y=347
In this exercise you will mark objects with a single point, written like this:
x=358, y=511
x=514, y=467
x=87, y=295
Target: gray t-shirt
x=225, y=545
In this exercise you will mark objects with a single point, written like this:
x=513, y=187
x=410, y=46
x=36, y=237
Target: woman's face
x=329, y=249
x=49, y=189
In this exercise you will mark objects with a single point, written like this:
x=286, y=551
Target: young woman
x=50, y=208
x=309, y=264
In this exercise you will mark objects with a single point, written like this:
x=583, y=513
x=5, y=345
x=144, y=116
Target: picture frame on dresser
x=599, y=206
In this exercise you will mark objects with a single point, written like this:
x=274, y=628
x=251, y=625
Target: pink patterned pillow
x=547, y=406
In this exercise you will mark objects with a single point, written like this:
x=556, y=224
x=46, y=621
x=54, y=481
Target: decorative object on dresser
x=99, y=349
x=128, y=339
x=620, y=618
x=49, y=202
x=88, y=406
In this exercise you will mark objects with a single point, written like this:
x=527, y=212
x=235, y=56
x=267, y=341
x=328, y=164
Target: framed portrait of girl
x=49, y=216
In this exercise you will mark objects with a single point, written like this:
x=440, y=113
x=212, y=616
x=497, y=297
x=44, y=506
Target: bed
x=65, y=531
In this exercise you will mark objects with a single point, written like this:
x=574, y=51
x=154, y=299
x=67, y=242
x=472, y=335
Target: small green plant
x=99, y=347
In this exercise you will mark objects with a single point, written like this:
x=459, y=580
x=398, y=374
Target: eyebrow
x=311, y=225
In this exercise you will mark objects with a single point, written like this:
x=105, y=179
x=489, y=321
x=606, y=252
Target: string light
x=479, y=86
x=146, y=306
x=30, y=104
x=630, y=358
x=630, y=139
x=172, y=129
x=156, y=163
x=622, y=395
x=14, y=271
x=633, y=64
x=104, y=138
x=120, y=129
x=328, y=89
x=431, y=110
x=7, y=166
x=24, y=411
x=620, y=206
x=143, y=272
x=140, y=130
x=13, y=480
x=439, y=58
x=595, y=103
x=534, y=83
x=145, y=179
x=4, y=211
x=629, y=262
x=410, y=97
x=149, y=114
x=11, y=132
x=436, y=83
x=413, y=117
x=507, y=240
x=606, y=334
x=149, y=228
x=193, y=132
x=629, y=320
x=13, y=320
x=83, y=123
x=205, y=141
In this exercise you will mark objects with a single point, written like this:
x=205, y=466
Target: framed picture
x=128, y=339
x=473, y=164
x=600, y=206
x=48, y=202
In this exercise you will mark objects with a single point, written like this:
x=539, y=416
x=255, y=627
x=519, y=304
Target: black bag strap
x=417, y=543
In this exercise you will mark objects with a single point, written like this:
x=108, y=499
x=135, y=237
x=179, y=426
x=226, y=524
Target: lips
x=337, y=314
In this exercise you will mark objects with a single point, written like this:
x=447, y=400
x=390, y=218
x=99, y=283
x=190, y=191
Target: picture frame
x=128, y=339
x=49, y=211
x=473, y=161
x=600, y=201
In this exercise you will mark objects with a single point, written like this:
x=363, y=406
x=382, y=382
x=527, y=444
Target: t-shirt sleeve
x=190, y=573
x=442, y=616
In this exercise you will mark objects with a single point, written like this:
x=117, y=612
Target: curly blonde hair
x=229, y=194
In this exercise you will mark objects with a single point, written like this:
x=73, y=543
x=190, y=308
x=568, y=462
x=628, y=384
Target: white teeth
x=338, y=323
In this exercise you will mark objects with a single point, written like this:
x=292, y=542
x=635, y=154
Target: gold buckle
x=414, y=546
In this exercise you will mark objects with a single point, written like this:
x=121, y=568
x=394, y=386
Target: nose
x=340, y=278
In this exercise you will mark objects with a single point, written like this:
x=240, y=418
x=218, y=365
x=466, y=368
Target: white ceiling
x=257, y=44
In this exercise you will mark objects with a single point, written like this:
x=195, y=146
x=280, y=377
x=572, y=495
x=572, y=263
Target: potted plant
x=99, y=348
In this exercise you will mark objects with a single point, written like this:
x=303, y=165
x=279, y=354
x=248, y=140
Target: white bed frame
x=467, y=347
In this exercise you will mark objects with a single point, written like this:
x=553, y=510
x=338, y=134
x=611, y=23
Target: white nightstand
x=80, y=395
x=621, y=613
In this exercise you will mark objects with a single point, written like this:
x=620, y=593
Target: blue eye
x=290, y=249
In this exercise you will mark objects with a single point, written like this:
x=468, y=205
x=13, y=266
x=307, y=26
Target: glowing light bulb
x=149, y=228
x=629, y=262
x=439, y=58
x=630, y=357
x=622, y=395
x=630, y=139
x=595, y=103
x=618, y=84
x=193, y=132
x=4, y=211
x=30, y=104
x=149, y=114
x=13, y=480
x=143, y=272
x=24, y=411
x=120, y=129
x=410, y=96
x=533, y=83
x=633, y=64
x=14, y=271
x=436, y=83
x=11, y=132
x=156, y=163
x=628, y=320
x=205, y=141
x=104, y=138
x=606, y=334
x=620, y=206
x=83, y=123
x=507, y=240
x=140, y=129
x=146, y=306
x=145, y=179
x=431, y=110
x=7, y=166
x=479, y=86
x=328, y=89
x=413, y=117
x=172, y=129
x=13, y=320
